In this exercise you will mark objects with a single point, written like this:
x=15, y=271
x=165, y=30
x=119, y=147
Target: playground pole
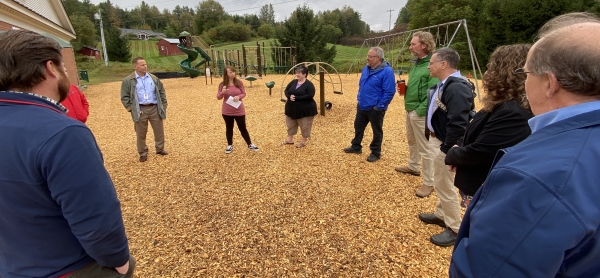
x=259, y=59
x=244, y=64
x=322, y=91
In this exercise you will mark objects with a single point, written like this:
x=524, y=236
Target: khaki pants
x=418, y=147
x=149, y=114
x=97, y=271
x=447, y=207
x=304, y=123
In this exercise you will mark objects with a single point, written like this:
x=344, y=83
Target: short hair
x=302, y=68
x=571, y=54
x=136, y=59
x=23, y=58
x=378, y=51
x=565, y=20
x=500, y=83
x=449, y=55
x=427, y=39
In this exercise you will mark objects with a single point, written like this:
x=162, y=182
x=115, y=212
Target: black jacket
x=450, y=126
x=304, y=104
x=487, y=133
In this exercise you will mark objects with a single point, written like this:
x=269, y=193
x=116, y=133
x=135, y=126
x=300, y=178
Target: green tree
x=304, y=31
x=209, y=14
x=267, y=14
x=332, y=33
x=230, y=31
x=170, y=32
x=266, y=31
x=85, y=31
x=117, y=46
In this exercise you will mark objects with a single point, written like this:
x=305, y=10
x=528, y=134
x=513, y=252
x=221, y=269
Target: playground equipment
x=186, y=46
x=324, y=76
x=254, y=60
x=270, y=85
x=441, y=32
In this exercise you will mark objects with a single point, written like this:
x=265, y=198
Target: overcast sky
x=373, y=12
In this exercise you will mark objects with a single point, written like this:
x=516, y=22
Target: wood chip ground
x=278, y=212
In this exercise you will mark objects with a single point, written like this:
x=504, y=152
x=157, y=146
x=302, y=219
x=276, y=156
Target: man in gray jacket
x=144, y=96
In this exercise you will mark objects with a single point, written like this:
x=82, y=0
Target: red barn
x=168, y=47
x=90, y=51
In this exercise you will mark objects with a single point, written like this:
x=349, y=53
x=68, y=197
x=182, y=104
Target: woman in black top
x=501, y=123
x=300, y=107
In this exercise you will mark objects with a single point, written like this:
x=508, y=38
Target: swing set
x=398, y=53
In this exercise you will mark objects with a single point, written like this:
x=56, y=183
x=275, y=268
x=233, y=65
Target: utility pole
x=390, y=24
x=98, y=16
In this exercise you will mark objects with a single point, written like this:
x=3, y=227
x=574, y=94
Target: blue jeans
x=362, y=119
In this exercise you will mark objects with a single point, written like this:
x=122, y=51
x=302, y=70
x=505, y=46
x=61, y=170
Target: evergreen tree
x=117, y=46
x=304, y=31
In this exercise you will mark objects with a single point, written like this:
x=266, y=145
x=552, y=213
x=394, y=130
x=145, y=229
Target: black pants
x=241, y=123
x=362, y=119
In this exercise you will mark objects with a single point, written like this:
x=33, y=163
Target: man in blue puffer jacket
x=375, y=92
x=538, y=212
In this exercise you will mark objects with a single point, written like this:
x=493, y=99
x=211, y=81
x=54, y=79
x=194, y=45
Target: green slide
x=192, y=54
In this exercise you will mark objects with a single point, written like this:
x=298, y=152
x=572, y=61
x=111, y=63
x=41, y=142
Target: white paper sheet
x=233, y=103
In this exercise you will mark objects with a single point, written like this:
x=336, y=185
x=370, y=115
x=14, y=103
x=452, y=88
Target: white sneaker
x=253, y=147
x=229, y=149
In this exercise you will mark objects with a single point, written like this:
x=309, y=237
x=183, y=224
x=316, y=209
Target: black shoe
x=352, y=150
x=430, y=218
x=163, y=152
x=444, y=239
x=372, y=158
x=143, y=158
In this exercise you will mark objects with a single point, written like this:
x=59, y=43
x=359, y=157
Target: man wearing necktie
x=449, y=108
x=144, y=96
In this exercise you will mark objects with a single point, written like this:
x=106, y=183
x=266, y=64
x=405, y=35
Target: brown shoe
x=406, y=170
x=424, y=191
x=163, y=152
x=143, y=158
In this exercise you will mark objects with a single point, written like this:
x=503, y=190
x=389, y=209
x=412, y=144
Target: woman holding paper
x=232, y=91
x=300, y=107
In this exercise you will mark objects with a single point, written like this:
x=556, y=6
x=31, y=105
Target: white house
x=46, y=17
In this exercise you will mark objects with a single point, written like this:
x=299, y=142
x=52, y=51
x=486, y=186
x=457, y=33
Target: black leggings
x=241, y=123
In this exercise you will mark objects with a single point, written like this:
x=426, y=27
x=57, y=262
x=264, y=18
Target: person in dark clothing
x=300, y=107
x=501, y=123
x=448, y=111
x=59, y=211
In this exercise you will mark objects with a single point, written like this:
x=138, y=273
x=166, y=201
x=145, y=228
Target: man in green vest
x=415, y=103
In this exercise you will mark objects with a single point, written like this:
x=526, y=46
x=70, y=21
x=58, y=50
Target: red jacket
x=77, y=105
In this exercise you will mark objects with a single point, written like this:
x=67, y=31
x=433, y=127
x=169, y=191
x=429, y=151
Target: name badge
x=146, y=96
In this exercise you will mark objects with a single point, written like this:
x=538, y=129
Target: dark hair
x=449, y=55
x=302, y=68
x=136, y=59
x=236, y=82
x=500, y=83
x=23, y=58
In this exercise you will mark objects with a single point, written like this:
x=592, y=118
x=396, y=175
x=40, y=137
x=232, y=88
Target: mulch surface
x=279, y=212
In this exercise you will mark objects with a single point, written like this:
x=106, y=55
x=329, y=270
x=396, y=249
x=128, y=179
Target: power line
x=390, y=24
x=262, y=6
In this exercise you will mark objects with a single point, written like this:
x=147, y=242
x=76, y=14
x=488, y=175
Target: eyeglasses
x=371, y=56
x=431, y=62
x=521, y=71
